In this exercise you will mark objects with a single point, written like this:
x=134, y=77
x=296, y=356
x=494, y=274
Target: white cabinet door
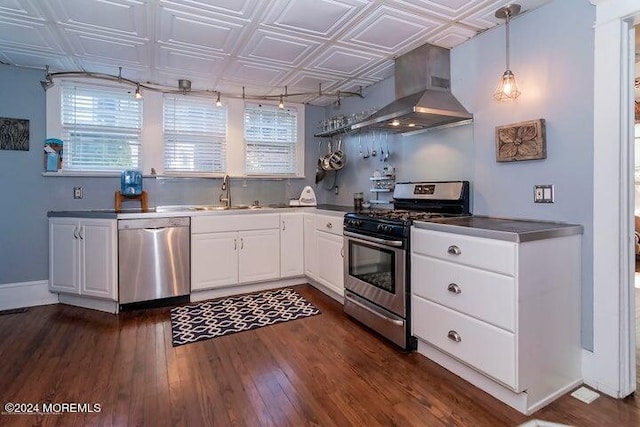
x=291, y=244
x=259, y=255
x=83, y=257
x=98, y=254
x=310, y=246
x=64, y=255
x=214, y=260
x=330, y=261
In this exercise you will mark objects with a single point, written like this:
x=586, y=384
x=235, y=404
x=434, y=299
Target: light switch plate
x=543, y=193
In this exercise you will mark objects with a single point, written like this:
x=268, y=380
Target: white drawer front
x=488, y=254
x=484, y=347
x=330, y=224
x=234, y=222
x=478, y=293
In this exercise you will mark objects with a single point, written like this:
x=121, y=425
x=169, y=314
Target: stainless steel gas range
x=377, y=262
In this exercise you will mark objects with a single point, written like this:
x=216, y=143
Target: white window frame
x=56, y=128
x=295, y=137
x=152, y=135
x=215, y=137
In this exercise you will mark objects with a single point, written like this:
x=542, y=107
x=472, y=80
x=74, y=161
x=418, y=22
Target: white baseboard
x=26, y=294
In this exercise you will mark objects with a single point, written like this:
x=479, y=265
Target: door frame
x=610, y=367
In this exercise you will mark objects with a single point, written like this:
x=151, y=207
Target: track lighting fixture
x=184, y=87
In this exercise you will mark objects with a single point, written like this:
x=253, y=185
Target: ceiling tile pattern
x=227, y=45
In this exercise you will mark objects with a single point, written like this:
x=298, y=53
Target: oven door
x=375, y=269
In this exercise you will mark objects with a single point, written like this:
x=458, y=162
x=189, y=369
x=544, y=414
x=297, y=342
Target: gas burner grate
x=403, y=215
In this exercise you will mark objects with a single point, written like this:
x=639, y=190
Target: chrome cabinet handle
x=242, y=243
x=284, y=225
x=454, y=250
x=329, y=225
x=75, y=232
x=454, y=288
x=235, y=244
x=81, y=232
x=454, y=336
x=342, y=252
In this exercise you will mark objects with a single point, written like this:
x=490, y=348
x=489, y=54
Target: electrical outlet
x=77, y=192
x=543, y=193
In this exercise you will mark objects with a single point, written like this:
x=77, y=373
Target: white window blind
x=195, y=135
x=270, y=135
x=101, y=128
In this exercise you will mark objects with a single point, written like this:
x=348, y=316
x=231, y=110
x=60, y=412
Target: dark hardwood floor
x=325, y=370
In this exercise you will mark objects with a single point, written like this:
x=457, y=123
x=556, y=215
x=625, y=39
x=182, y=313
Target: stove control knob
x=379, y=227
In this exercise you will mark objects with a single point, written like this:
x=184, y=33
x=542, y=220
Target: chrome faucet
x=226, y=187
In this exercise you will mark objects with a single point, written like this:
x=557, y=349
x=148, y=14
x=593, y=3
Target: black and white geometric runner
x=209, y=319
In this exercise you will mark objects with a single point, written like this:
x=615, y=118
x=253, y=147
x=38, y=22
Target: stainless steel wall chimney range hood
x=423, y=95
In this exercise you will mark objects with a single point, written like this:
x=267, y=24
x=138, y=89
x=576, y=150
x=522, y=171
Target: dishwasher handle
x=153, y=223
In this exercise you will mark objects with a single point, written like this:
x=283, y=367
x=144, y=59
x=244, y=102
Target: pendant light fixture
x=218, y=102
x=138, y=93
x=507, y=89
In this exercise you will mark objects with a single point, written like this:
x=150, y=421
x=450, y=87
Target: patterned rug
x=210, y=319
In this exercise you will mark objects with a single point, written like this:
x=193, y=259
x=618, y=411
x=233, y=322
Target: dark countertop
x=509, y=229
x=172, y=211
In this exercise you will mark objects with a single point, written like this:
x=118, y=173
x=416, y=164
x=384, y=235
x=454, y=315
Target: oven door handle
x=375, y=313
x=394, y=243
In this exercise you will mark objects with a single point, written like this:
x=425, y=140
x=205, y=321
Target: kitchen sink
x=196, y=208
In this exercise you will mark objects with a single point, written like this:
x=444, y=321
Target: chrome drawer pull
x=454, y=250
x=454, y=336
x=329, y=225
x=454, y=288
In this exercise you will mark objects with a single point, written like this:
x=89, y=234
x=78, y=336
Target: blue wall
x=23, y=226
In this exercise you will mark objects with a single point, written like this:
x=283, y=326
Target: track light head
x=48, y=81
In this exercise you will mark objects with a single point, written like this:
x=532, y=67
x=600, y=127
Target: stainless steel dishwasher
x=153, y=259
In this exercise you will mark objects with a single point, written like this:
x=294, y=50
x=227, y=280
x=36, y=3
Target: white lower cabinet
x=330, y=261
x=505, y=316
x=329, y=245
x=83, y=257
x=258, y=255
x=248, y=253
x=291, y=244
x=310, y=246
x=214, y=260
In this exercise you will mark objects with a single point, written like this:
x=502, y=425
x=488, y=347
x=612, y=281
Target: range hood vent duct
x=423, y=95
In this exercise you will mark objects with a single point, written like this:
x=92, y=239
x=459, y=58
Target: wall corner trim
x=26, y=294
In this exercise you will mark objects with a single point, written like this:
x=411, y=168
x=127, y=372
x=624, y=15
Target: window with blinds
x=195, y=135
x=270, y=135
x=101, y=128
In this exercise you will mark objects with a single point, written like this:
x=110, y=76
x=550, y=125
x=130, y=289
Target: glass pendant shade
x=507, y=89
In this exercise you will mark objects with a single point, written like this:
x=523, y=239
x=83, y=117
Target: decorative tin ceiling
x=223, y=45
